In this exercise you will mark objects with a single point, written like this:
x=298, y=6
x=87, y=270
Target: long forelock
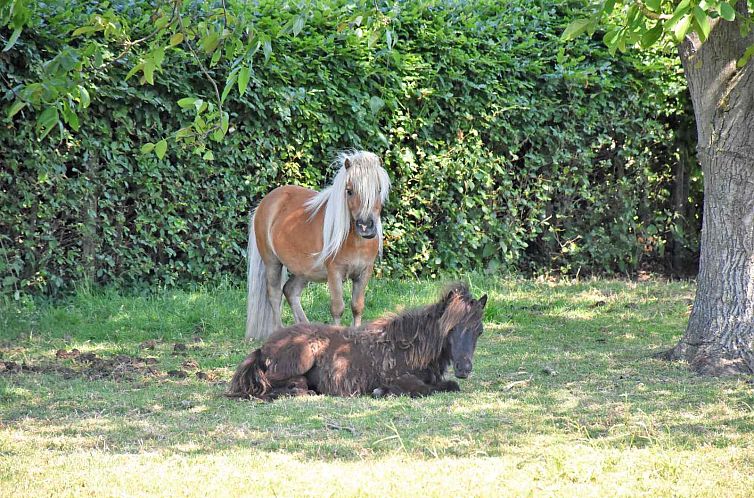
x=368, y=179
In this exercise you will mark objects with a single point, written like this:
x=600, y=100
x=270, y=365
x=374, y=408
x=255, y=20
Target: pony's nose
x=365, y=225
x=366, y=228
x=462, y=368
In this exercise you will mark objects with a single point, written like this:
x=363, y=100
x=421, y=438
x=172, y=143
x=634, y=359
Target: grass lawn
x=566, y=399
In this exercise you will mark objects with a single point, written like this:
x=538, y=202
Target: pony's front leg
x=405, y=384
x=357, y=294
x=292, y=290
x=335, y=284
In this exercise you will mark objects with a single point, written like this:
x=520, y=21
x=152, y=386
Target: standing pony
x=321, y=236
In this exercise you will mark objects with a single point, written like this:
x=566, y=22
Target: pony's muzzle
x=462, y=368
x=366, y=228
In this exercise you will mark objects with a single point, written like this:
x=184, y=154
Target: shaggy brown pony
x=407, y=353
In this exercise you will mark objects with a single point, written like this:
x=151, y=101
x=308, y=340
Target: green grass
x=566, y=400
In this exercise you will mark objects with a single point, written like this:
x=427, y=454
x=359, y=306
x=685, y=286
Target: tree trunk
x=720, y=333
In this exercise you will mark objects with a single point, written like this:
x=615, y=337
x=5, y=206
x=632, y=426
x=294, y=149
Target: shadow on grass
x=555, y=363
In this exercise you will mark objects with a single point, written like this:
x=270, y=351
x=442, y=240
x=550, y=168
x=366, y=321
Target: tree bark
x=720, y=332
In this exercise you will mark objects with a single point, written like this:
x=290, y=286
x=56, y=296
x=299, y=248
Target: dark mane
x=421, y=332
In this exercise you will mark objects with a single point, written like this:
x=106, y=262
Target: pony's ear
x=483, y=300
x=347, y=163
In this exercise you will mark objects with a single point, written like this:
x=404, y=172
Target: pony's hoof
x=379, y=393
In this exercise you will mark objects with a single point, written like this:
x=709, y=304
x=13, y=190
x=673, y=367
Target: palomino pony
x=407, y=353
x=329, y=235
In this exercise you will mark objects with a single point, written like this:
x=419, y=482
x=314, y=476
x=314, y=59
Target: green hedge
x=507, y=150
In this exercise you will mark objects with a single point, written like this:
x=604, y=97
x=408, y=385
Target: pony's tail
x=250, y=379
x=260, y=321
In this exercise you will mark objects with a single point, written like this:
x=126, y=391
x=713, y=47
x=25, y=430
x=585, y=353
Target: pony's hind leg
x=295, y=386
x=292, y=290
x=274, y=272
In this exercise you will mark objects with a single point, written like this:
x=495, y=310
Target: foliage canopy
x=504, y=152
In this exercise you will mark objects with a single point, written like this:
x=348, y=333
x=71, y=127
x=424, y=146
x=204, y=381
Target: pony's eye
x=349, y=192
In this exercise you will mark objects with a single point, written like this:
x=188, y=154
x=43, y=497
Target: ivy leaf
x=147, y=148
x=267, y=49
x=160, y=148
x=298, y=25
x=375, y=104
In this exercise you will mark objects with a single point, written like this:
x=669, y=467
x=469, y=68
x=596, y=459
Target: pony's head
x=354, y=199
x=462, y=319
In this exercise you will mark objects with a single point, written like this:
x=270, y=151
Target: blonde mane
x=368, y=179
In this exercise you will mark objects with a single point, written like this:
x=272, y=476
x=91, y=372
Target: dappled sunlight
x=564, y=396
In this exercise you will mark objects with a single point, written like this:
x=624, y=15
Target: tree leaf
x=12, y=40
x=575, y=28
x=210, y=42
x=134, y=70
x=176, y=39
x=149, y=71
x=702, y=21
x=224, y=122
x=147, y=148
x=160, y=148
x=15, y=108
x=70, y=117
x=228, y=86
x=186, y=102
x=727, y=12
x=653, y=5
x=47, y=121
x=243, y=79
x=84, y=99
x=680, y=11
x=745, y=58
x=682, y=27
x=84, y=30
x=651, y=36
